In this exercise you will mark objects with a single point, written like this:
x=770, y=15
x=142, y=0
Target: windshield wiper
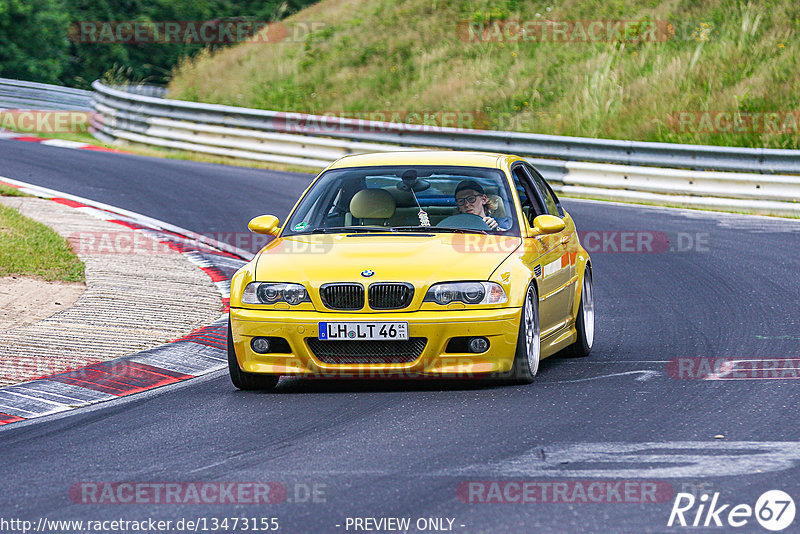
x=435, y=229
x=349, y=229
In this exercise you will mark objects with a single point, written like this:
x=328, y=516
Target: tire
x=584, y=324
x=243, y=380
x=529, y=343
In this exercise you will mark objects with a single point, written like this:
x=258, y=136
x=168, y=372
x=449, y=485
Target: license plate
x=352, y=331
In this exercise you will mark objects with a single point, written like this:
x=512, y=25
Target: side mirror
x=548, y=224
x=264, y=224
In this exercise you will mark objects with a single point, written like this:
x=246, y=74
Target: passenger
x=470, y=198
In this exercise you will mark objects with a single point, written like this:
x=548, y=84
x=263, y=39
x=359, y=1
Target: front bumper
x=499, y=326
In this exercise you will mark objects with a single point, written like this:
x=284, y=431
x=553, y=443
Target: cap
x=469, y=184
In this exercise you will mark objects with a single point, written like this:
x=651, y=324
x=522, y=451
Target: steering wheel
x=467, y=221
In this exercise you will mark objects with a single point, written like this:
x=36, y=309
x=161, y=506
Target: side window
x=555, y=197
x=549, y=198
x=531, y=203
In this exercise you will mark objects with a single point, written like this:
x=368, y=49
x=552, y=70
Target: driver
x=470, y=198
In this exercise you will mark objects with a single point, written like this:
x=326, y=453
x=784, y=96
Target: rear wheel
x=242, y=379
x=527, y=355
x=584, y=324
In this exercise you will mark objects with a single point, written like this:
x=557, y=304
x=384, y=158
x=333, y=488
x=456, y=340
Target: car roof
x=426, y=157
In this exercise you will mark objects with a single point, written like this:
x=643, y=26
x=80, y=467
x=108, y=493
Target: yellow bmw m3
x=413, y=264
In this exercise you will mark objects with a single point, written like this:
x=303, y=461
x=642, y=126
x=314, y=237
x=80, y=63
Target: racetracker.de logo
x=565, y=31
x=177, y=493
x=566, y=492
x=463, y=367
x=735, y=122
x=597, y=241
x=206, y=32
x=381, y=121
x=702, y=368
x=143, y=242
x=632, y=241
x=643, y=241
x=48, y=121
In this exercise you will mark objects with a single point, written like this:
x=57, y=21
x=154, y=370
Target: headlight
x=271, y=293
x=466, y=292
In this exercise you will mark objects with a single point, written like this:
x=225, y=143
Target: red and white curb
x=201, y=352
x=60, y=143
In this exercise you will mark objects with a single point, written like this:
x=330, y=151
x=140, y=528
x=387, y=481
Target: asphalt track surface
x=402, y=448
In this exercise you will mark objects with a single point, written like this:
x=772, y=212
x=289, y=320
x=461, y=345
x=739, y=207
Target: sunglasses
x=467, y=200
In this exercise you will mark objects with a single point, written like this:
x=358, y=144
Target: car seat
x=371, y=207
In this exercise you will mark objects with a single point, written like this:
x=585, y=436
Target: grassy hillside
x=725, y=56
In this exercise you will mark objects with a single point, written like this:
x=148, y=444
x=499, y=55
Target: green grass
x=386, y=55
x=8, y=191
x=29, y=248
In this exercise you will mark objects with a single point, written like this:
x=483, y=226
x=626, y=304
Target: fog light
x=478, y=344
x=260, y=345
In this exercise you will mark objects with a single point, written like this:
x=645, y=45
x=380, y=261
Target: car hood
x=420, y=259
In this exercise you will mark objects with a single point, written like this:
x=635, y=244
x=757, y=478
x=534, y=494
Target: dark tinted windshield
x=404, y=198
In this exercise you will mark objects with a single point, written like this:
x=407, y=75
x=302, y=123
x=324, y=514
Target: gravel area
x=139, y=294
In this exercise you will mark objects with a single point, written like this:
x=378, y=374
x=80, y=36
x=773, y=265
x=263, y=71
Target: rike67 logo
x=774, y=510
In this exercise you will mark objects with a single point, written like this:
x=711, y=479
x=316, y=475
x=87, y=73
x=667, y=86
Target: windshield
x=407, y=199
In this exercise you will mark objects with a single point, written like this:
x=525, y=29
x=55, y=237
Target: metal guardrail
x=142, y=89
x=17, y=94
x=650, y=172
x=620, y=170
x=761, y=160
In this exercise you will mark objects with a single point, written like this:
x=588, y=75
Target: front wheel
x=244, y=380
x=527, y=355
x=584, y=323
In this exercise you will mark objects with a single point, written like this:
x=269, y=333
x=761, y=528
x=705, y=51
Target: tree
x=36, y=43
x=33, y=40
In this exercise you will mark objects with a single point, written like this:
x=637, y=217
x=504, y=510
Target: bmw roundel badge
x=366, y=273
